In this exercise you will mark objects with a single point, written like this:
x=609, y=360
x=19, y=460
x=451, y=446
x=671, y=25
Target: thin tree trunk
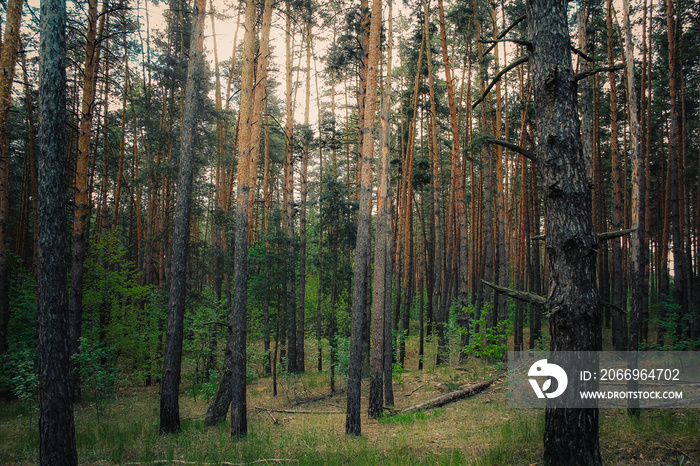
x=456, y=171
x=679, y=272
x=438, y=271
x=501, y=262
x=289, y=201
x=383, y=251
x=618, y=320
x=82, y=195
x=8, y=57
x=31, y=141
x=353, y=424
x=638, y=241
x=301, y=309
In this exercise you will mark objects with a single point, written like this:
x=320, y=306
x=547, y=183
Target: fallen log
x=449, y=397
x=291, y=411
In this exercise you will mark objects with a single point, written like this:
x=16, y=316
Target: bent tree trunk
x=573, y=300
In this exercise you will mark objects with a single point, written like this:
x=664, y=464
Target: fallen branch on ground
x=291, y=411
x=450, y=397
x=226, y=463
x=414, y=391
x=313, y=399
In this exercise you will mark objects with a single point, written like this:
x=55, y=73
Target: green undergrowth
x=306, y=424
x=405, y=418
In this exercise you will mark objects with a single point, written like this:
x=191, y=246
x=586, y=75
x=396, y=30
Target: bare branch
x=504, y=32
x=614, y=234
x=531, y=298
x=496, y=78
x=524, y=42
x=585, y=74
x=514, y=147
x=601, y=236
x=581, y=53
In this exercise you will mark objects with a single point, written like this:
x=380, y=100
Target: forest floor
x=304, y=424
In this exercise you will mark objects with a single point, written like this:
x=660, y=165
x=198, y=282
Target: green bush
x=19, y=367
x=487, y=344
x=98, y=376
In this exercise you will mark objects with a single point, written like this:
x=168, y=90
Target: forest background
x=360, y=180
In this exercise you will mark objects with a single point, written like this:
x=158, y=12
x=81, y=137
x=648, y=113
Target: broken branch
x=531, y=298
x=504, y=32
x=585, y=74
x=601, y=236
x=496, y=78
x=514, y=147
x=449, y=398
x=614, y=234
x=291, y=411
x=414, y=391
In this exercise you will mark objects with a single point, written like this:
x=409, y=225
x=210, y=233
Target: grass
x=480, y=430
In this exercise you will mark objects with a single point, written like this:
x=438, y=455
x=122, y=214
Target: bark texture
x=352, y=422
x=246, y=175
x=382, y=257
x=172, y=356
x=56, y=421
x=573, y=301
x=82, y=189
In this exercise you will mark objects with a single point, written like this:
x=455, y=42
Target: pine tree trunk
x=31, y=142
x=618, y=319
x=8, y=57
x=289, y=201
x=353, y=424
x=172, y=357
x=573, y=301
x=82, y=195
x=246, y=179
x=383, y=256
x=301, y=305
x=436, y=219
x=638, y=241
x=501, y=262
x=679, y=272
x=56, y=421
